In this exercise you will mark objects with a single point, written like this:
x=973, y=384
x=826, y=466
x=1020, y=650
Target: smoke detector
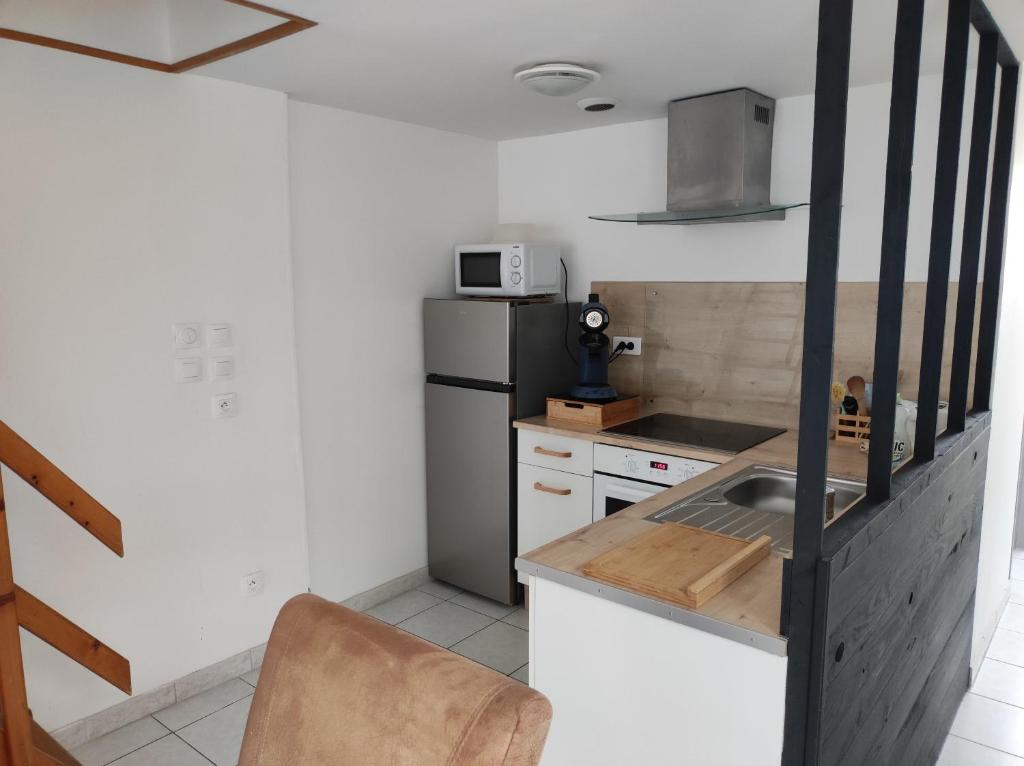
x=557, y=79
x=596, y=104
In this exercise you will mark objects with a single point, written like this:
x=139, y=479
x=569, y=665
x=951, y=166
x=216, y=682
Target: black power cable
x=565, y=293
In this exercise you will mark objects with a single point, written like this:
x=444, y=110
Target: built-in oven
x=625, y=476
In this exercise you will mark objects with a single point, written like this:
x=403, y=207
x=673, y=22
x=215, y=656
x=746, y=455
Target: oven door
x=613, y=493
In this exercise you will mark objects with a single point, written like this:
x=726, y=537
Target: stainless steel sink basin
x=759, y=500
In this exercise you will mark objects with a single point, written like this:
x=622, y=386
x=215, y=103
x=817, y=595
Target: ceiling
x=448, y=63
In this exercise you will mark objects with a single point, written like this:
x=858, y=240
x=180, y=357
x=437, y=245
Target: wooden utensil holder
x=852, y=429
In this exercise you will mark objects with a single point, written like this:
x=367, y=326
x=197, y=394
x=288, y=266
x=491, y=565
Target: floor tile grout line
x=395, y=624
x=990, y=747
x=1005, y=662
x=203, y=718
x=996, y=699
x=475, y=632
x=193, y=747
x=125, y=755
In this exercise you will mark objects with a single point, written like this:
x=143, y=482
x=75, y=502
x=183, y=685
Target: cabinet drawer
x=559, y=452
x=550, y=504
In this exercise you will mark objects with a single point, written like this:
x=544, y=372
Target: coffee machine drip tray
x=683, y=430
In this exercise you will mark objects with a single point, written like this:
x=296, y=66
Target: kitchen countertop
x=749, y=609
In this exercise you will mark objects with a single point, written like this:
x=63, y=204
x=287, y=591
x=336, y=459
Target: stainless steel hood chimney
x=719, y=161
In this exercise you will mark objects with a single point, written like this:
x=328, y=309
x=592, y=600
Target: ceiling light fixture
x=557, y=79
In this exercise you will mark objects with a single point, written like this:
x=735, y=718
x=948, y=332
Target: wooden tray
x=679, y=564
x=590, y=414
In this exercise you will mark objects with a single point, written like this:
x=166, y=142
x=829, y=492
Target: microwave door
x=479, y=269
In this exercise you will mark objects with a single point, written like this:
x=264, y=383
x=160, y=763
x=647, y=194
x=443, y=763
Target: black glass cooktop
x=683, y=430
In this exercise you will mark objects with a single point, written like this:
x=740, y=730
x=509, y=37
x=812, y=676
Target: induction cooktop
x=687, y=431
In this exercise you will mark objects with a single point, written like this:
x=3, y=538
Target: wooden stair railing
x=25, y=743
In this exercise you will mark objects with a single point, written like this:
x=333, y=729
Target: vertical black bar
x=974, y=216
x=947, y=161
x=995, y=243
x=832, y=82
x=895, y=215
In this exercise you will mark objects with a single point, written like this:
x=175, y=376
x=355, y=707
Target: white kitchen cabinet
x=551, y=504
x=629, y=687
x=561, y=453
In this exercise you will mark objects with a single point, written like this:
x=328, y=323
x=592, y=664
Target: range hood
x=719, y=161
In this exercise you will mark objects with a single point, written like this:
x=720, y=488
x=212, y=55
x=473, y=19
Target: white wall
x=1007, y=419
x=557, y=181
x=131, y=200
x=376, y=207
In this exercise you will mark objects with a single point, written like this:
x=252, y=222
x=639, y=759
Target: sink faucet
x=830, y=503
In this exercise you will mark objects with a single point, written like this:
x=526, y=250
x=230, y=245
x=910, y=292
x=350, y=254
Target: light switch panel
x=222, y=367
x=219, y=335
x=188, y=369
x=187, y=335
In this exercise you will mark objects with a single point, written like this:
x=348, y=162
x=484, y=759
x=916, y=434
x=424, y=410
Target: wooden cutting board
x=679, y=564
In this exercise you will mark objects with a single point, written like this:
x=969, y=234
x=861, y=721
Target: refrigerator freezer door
x=470, y=518
x=469, y=339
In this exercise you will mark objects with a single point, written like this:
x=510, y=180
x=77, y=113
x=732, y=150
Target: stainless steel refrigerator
x=487, y=363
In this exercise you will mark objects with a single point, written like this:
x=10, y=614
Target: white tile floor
x=989, y=728
x=208, y=728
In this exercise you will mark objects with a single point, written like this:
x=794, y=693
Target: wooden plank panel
x=894, y=611
x=923, y=734
x=22, y=458
x=731, y=350
x=886, y=673
x=935, y=520
x=63, y=635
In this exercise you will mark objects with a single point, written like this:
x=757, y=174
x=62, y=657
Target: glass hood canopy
x=768, y=212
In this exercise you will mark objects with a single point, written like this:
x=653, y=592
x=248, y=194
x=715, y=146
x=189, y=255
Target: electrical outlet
x=252, y=583
x=224, y=405
x=637, y=343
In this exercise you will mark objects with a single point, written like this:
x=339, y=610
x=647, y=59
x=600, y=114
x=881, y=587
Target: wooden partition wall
x=881, y=604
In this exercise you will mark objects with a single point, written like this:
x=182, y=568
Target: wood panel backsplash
x=731, y=350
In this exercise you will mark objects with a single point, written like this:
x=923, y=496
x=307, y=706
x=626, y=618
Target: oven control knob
x=516, y=277
x=632, y=466
x=516, y=261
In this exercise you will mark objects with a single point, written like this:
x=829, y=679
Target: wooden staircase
x=25, y=743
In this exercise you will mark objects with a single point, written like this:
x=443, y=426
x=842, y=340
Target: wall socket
x=637, y=343
x=252, y=583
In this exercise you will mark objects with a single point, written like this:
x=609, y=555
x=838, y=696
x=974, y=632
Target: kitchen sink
x=759, y=500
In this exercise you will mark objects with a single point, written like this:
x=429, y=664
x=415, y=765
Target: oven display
x=659, y=466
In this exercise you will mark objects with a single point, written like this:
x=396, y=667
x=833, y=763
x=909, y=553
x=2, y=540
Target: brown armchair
x=338, y=687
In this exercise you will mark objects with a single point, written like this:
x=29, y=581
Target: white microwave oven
x=518, y=269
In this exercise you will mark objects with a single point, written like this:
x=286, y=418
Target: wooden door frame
x=291, y=25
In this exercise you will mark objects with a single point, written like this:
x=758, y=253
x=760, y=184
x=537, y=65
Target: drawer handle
x=550, y=490
x=551, y=452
